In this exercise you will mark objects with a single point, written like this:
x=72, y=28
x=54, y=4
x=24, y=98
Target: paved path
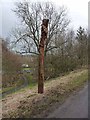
x=75, y=106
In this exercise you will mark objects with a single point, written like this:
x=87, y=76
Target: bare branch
x=31, y=16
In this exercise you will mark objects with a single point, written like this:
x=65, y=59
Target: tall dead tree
x=44, y=31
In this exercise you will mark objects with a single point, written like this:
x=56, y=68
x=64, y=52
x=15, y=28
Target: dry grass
x=28, y=103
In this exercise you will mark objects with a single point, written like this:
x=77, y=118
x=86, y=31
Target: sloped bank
x=56, y=91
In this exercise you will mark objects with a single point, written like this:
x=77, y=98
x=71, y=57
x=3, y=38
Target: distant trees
x=11, y=64
x=71, y=55
x=82, y=39
x=10, y=61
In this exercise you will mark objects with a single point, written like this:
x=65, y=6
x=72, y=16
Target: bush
x=11, y=65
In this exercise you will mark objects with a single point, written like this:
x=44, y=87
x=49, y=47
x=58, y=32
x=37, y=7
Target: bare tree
x=31, y=16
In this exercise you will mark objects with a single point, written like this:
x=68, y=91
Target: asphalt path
x=76, y=106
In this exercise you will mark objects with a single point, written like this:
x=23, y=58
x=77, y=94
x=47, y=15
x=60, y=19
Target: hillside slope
x=28, y=103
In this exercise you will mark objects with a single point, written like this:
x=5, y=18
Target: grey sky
x=78, y=13
x=89, y=16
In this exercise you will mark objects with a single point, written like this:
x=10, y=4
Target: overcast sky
x=78, y=13
x=89, y=16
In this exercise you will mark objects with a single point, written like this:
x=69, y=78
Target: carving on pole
x=44, y=31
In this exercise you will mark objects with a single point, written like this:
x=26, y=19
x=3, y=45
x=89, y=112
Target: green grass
x=31, y=85
x=31, y=82
x=6, y=89
x=19, y=83
x=78, y=81
x=26, y=68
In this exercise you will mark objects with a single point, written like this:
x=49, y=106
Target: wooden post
x=44, y=31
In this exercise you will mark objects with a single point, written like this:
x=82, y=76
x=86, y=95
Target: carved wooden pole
x=44, y=31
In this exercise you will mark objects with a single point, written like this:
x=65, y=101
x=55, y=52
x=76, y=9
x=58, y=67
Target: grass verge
x=56, y=91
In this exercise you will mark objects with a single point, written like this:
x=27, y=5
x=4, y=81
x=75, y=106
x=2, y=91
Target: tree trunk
x=44, y=31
